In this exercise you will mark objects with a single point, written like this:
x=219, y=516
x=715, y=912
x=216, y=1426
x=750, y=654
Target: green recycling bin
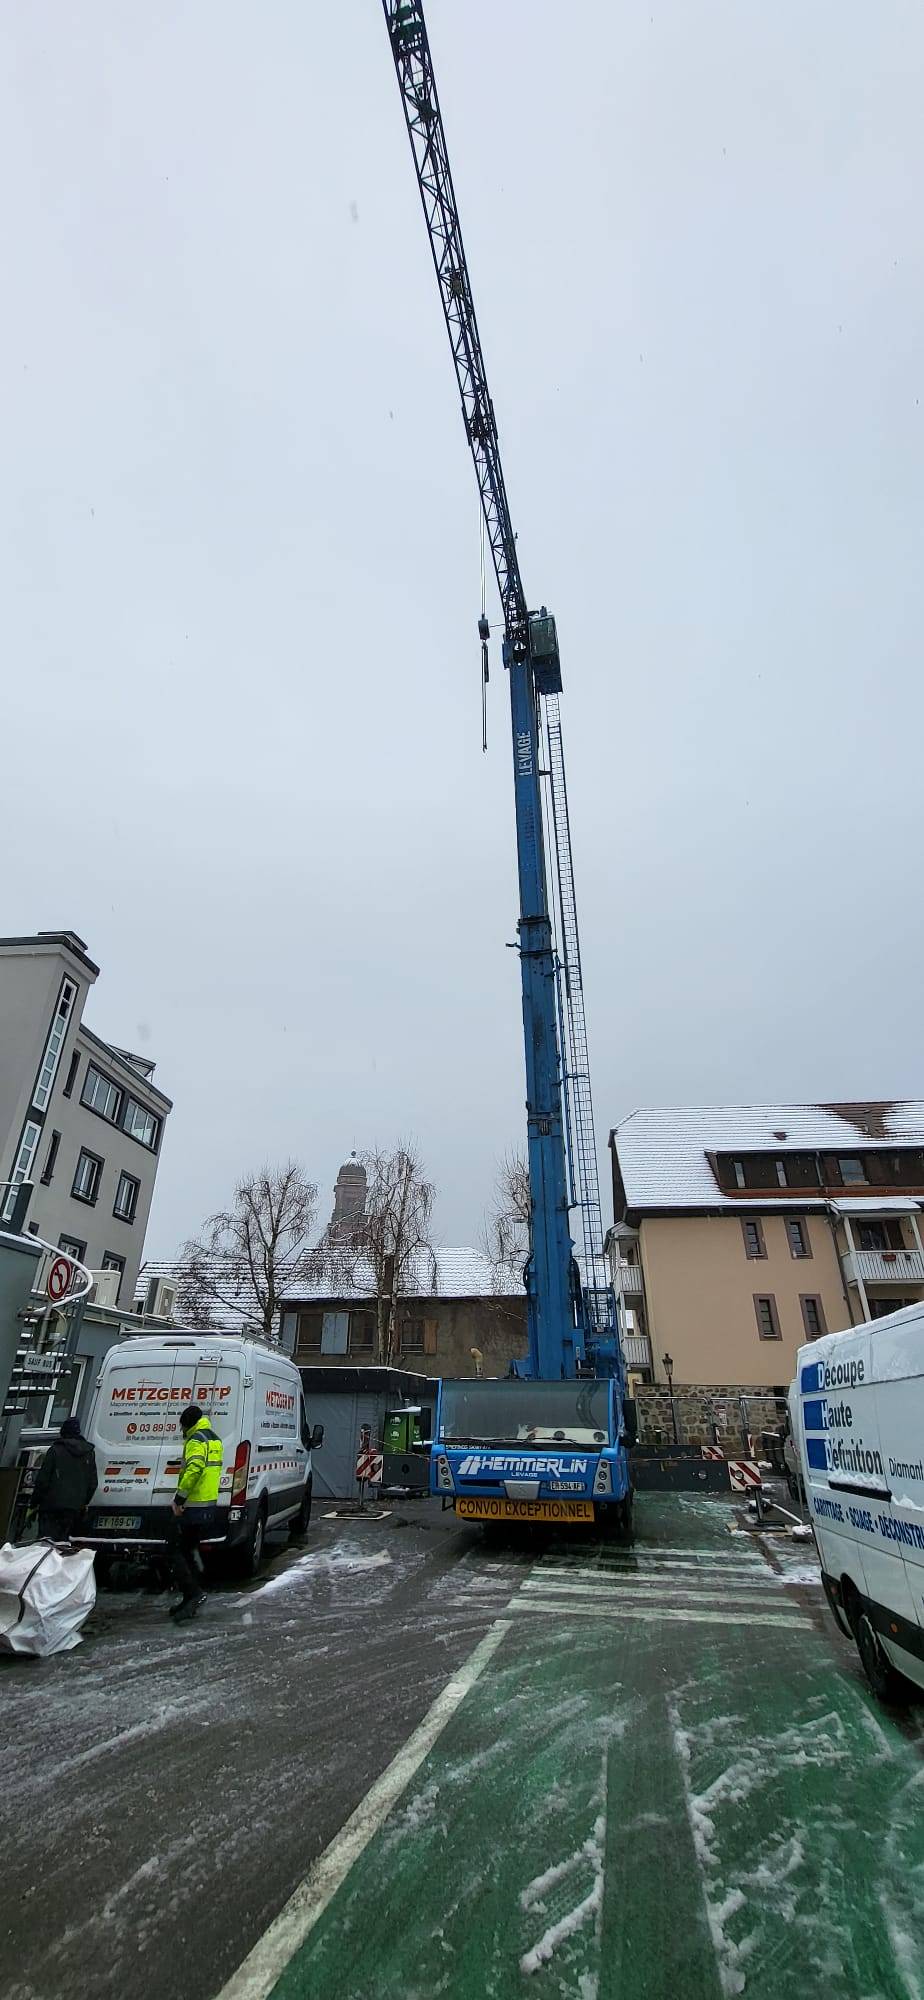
x=401, y=1431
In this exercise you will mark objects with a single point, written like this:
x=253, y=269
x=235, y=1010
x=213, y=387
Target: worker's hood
x=78, y=1447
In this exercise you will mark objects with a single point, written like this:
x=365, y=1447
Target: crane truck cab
x=525, y=1451
x=252, y=1396
x=857, y=1412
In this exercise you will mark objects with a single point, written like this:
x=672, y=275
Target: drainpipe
x=861, y=1288
x=832, y=1225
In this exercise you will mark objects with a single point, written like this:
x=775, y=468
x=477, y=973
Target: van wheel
x=301, y=1520
x=252, y=1551
x=884, y=1679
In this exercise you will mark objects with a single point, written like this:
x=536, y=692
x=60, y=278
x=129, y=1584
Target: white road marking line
x=725, y=1579
x=655, y=1569
x=753, y=1594
x=670, y=1614
x=678, y=1549
x=264, y=1965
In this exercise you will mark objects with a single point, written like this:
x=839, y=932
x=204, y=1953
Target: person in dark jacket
x=64, y=1483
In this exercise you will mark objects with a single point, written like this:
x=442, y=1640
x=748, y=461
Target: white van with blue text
x=252, y=1396
x=857, y=1413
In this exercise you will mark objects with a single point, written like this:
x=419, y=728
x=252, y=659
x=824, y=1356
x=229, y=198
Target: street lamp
x=667, y=1363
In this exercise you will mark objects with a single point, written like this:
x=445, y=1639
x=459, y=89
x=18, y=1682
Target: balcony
x=636, y=1350
x=627, y=1279
x=884, y=1267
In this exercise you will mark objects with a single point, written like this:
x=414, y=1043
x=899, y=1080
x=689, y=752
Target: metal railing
x=884, y=1267
x=627, y=1279
x=636, y=1349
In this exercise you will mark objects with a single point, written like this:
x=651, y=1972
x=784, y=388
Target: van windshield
x=513, y=1412
x=140, y=1401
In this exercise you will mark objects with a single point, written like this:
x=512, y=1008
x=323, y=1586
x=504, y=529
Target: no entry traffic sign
x=61, y=1277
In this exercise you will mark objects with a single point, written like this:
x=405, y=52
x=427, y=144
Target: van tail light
x=240, y=1474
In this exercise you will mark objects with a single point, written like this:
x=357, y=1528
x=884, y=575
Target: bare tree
x=391, y=1240
x=506, y=1233
x=249, y=1255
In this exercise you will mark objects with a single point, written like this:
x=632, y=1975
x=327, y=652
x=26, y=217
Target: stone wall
x=711, y=1414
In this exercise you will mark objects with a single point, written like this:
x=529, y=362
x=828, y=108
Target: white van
x=252, y=1396
x=857, y=1414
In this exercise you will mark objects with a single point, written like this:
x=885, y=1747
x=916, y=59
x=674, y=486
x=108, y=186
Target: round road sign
x=60, y=1278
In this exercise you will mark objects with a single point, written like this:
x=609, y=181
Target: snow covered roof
x=459, y=1274
x=662, y=1154
x=875, y=1204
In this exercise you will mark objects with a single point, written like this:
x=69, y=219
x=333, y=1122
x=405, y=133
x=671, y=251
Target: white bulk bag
x=44, y=1598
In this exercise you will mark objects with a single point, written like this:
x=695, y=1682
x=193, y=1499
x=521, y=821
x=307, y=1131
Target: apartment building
x=81, y=1121
x=742, y=1231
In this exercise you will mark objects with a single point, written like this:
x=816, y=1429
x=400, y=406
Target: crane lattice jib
x=583, y=1144
x=411, y=51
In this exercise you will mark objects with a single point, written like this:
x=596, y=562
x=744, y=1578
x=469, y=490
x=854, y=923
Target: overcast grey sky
x=239, y=556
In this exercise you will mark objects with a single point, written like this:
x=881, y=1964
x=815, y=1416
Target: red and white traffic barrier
x=743, y=1475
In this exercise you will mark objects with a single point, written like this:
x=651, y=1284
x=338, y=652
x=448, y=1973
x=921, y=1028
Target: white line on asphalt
x=678, y=1549
x=257, y=1975
x=750, y=1573
x=643, y=1588
x=675, y=1614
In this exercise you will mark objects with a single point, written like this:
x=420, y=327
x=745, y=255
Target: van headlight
x=444, y=1474
x=603, y=1477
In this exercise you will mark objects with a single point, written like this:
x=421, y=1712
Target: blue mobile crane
x=549, y=1442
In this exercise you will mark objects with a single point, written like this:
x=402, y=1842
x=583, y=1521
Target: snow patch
x=573, y=1920
x=325, y=1563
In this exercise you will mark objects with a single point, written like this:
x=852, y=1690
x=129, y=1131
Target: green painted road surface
x=668, y=1783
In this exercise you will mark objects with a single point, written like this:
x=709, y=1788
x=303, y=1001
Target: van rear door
x=281, y=1457
x=136, y=1424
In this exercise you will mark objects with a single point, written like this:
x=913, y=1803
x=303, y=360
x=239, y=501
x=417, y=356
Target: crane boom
x=572, y=1325
x=411, y=51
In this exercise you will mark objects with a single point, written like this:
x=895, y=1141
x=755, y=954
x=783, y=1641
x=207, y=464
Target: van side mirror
x=317, y=1436
x=630, y=1420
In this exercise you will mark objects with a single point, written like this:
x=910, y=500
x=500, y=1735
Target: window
x=50, y=1158
x=362, y=1333
x=880, y=1236
x=54, y=1044
x=797, y=1233
x=781, y=1180
x=126, y=1200
x=23, y=1167
x=310, y=1325
x=100, y=1094
x=853, y=1171
x=412, y=1336
x=141, y=1124
x=72, y=1247
x=88, y=1176
x=738, y=1171
x=768, y=1319
x=813, y=1316
x=72, y=1072
x=753, y=1234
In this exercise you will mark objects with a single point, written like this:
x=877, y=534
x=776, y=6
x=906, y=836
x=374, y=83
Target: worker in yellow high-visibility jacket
x=194, y=1504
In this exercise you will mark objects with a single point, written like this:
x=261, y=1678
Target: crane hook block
x=543, y=652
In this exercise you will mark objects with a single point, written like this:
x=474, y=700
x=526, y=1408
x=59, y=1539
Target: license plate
x=486, y=1509
x=119, y=1521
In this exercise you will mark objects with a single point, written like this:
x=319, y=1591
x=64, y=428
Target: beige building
x=742, y=1232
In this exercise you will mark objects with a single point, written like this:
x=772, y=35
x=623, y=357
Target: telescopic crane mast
x=571, y=1320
